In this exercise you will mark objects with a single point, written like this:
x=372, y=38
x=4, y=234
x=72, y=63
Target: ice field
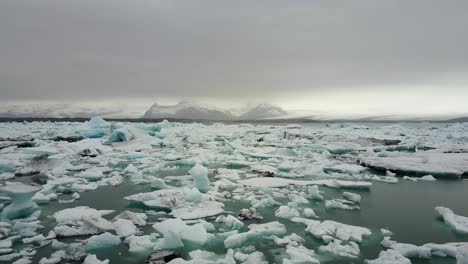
x=114, y=192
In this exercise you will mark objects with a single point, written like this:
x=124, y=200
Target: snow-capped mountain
x=187, y=110
x=263, y=111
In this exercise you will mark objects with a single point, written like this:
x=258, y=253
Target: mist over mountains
x=189, y=110
x=181, y=110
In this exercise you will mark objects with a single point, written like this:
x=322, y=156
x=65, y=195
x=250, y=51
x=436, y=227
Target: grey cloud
x=55, y=49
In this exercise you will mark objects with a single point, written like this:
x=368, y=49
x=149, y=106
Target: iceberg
x=21, y=195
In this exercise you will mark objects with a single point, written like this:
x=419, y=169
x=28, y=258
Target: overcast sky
x=385, y=56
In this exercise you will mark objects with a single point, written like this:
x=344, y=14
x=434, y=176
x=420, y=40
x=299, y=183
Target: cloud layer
x=296, y=53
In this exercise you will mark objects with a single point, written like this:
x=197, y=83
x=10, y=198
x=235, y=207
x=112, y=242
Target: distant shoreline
x=262, y=121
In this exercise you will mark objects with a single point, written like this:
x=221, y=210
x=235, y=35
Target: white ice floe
x=389, y=256
x=286, y=212
x=176, y=232
x=328, y=228
x=353, y=197
x=458, y=223
x=300, y=254
x=200, y=178
x=230, y=222
x=282, y=182
x=92, y=259
x=183, y=203
x=104, y=240
x=348, y=249
x=341, y=204
x=255, y=231
x=434, y=163
x=81, y=220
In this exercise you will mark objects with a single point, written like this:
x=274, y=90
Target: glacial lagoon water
x=405, y=208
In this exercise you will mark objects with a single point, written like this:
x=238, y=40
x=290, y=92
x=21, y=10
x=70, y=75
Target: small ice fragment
x=92, y=259
x=353, y=197
x=457, y=222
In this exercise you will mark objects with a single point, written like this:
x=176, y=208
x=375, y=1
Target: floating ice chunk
x=166, y=198
x=21, y=200
x=386, y=232
x=427, y=178
x=387, y=179
x=92, y=259
x=175, y=231
x=264, y=169
x=299, y=255
x=265, y=202
x=293, y=240
x=124, y=228
x=458, y=223
x=41, y=198
x=193, y=195
x=346, y=168
x=286, y=212
x=407, y=250
x=256, y=231
x=199, y=210
x=389, y=256
x=230, y=221
x=339, y=248
x=136, y=218
x=462, y=254
x=341, y=204
x=353, y=197
x=428, y=162
x=410, y=178
x=140, y=244
x=309, y=213
x=104, y=240
x=297, y=199
x=95, y=128
x=121, y=135
x=249, y=214
x=74, y=215
x=338, y=230
x=22, y=261
x=93, y=173
x=200, y=178
x=81, y=220
x=282, y=182
x=314, y=193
